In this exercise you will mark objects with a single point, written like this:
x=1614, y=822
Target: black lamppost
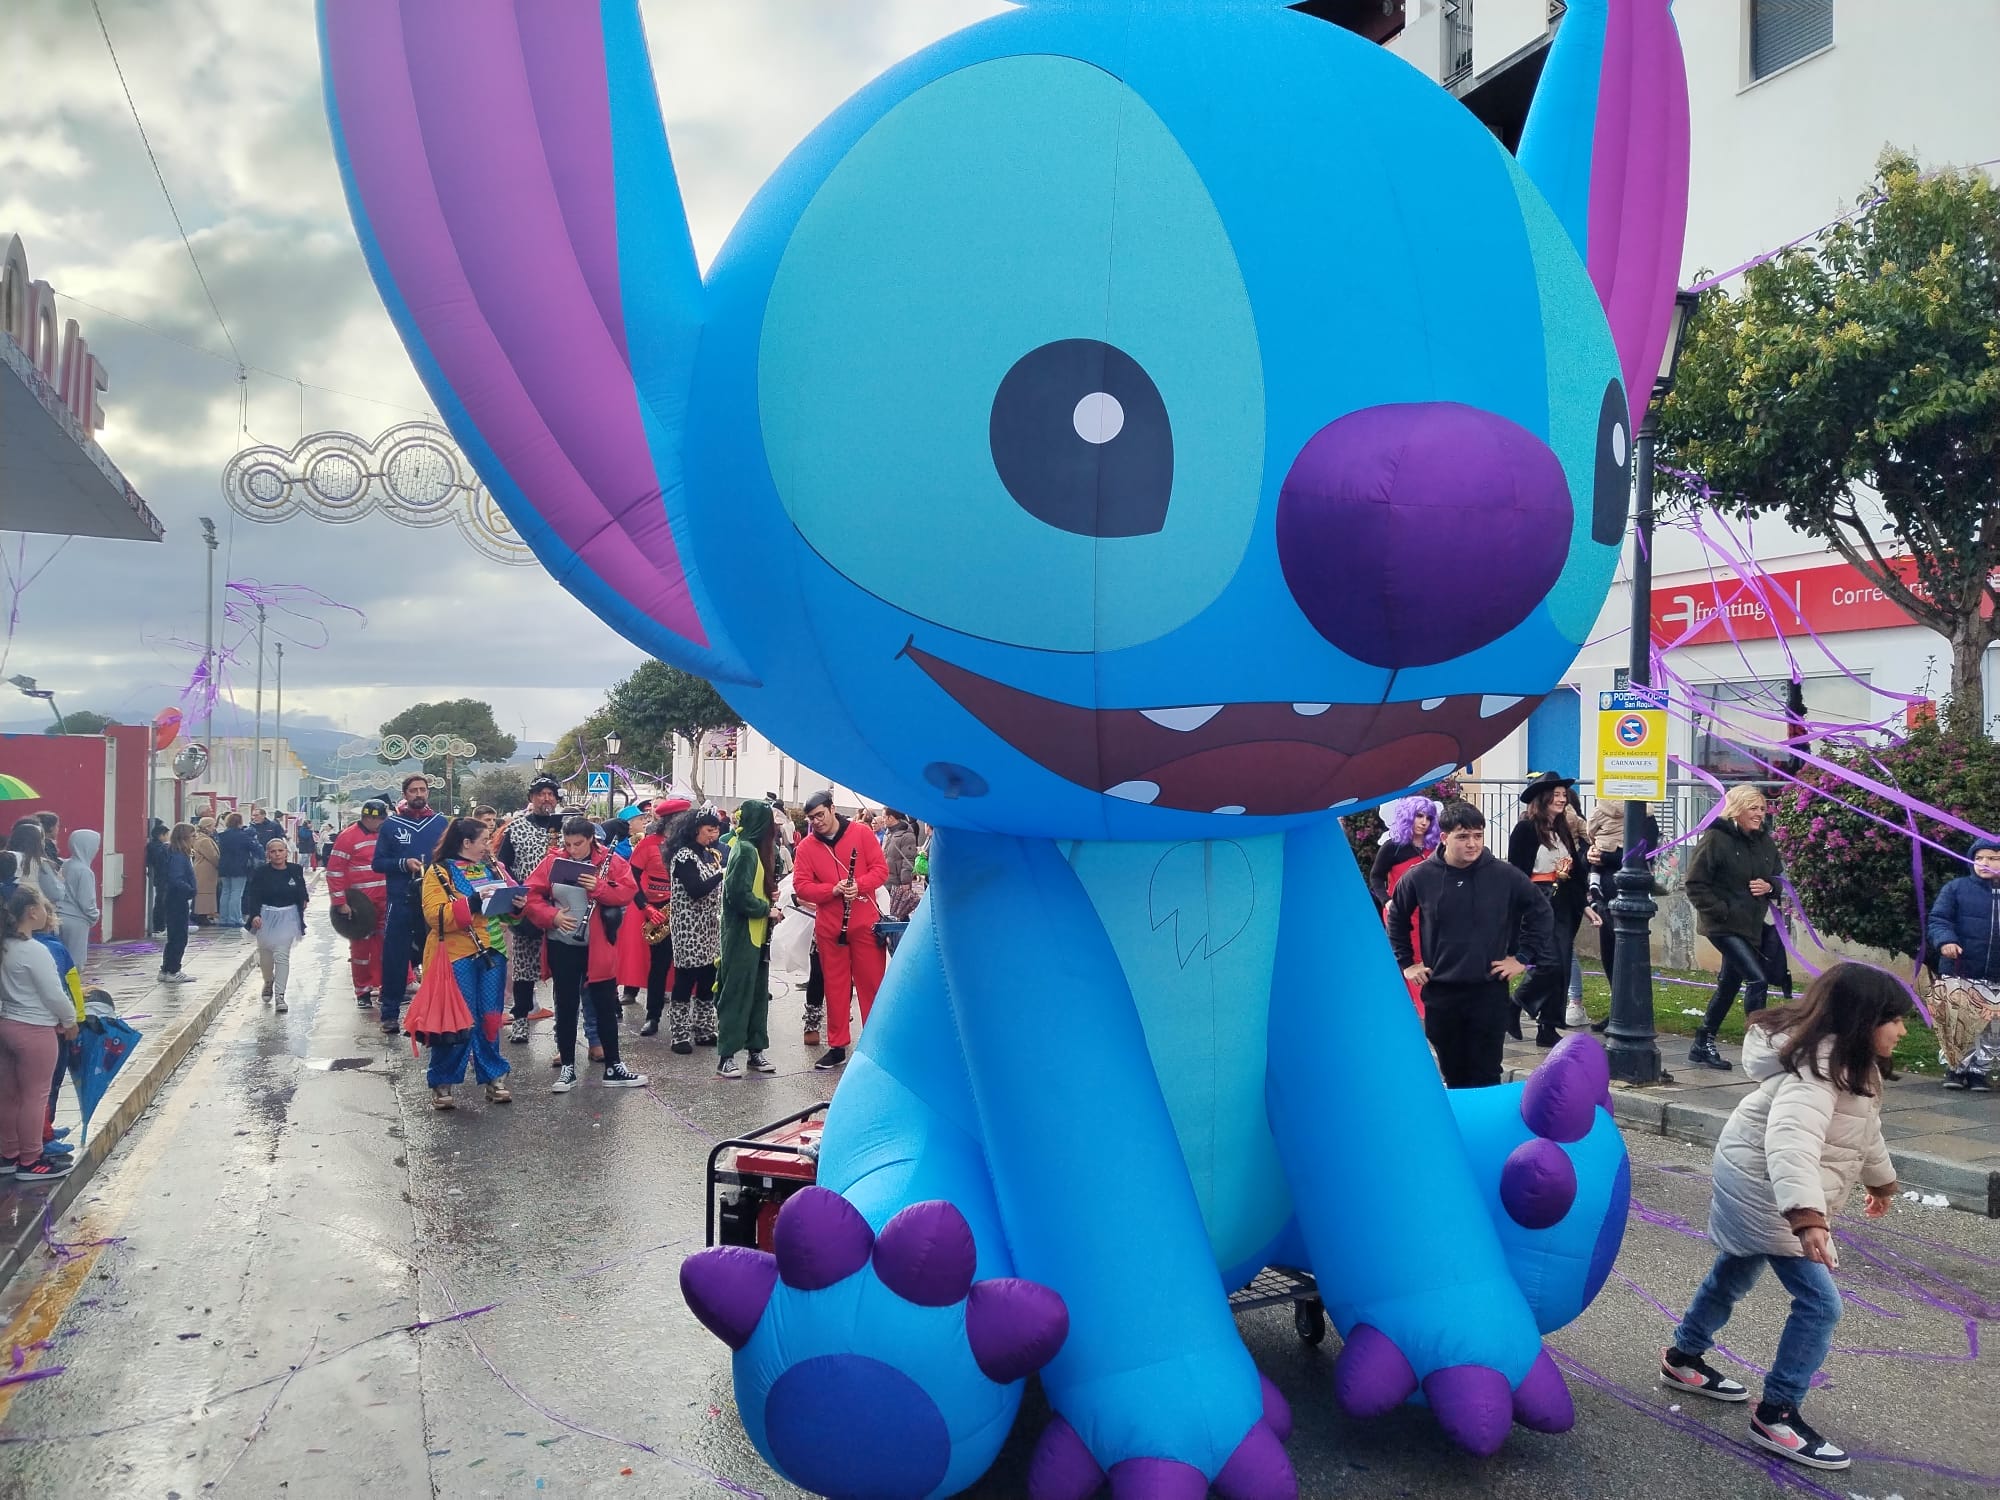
x=612, y=745
x=1633, y=1044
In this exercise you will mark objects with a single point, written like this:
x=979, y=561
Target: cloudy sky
x=229, y=93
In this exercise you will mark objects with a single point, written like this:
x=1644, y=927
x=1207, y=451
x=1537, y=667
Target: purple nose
x=1378, y=505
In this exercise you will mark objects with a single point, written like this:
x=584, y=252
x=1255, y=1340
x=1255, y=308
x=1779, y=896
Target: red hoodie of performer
x=350, y=869
x=819, y=869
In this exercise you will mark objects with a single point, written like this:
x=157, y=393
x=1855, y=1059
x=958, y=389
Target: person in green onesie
x=743, y=983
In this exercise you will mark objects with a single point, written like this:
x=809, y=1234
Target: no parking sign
x=1632, y=746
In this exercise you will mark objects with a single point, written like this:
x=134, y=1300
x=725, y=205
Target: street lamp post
x=47, y=695
x=612, y=745
x=208, y=641
x=1633, y=1043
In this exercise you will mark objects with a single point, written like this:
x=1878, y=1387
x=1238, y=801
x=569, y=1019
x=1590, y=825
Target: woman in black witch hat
x=1545, y=848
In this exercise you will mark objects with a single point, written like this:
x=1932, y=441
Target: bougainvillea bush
x=1855, y=876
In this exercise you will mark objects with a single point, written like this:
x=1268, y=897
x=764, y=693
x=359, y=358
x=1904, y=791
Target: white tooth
x=1185, y=720
x=1135, y=791
x=1345, y=802
x=1491, y=705
x=1310, y=710
x=1231, y=812
x=1431, y=703
x=1437, y=775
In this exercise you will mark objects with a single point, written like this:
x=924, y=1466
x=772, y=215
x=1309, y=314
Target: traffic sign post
x=1632, y=747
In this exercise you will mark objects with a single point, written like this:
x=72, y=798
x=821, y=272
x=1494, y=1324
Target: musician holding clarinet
x=839, y=868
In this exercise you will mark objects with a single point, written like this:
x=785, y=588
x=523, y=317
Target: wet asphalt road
x=291, y=1204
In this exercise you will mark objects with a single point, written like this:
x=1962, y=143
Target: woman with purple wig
x=1411, y=837
x=1412, y=834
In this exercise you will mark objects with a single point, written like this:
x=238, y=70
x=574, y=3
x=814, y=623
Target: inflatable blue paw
x=874, y=1365
x=1552, y=1164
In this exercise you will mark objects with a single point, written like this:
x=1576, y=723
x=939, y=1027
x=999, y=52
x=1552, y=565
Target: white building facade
x=1791, y=103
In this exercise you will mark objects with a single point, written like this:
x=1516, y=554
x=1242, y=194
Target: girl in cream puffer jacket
x=1790, y=1157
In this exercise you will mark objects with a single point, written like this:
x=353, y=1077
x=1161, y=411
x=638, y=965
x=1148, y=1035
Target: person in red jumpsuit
x=820, y=874
x=350, y=869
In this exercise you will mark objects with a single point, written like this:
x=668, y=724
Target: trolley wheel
x=1309, y=1318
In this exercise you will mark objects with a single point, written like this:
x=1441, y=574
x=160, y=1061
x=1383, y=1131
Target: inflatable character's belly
x=1195, y=927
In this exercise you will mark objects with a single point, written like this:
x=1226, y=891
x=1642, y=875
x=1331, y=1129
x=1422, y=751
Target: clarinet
x=847, y=902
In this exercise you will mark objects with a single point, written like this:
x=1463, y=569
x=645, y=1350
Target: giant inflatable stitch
x=1127, y=434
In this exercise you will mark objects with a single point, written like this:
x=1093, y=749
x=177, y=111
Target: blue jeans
x=229, y=900
x=482, y=979
x=1808, y=1331
x=400, y=931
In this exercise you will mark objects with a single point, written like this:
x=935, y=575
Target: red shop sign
x=1830, y=599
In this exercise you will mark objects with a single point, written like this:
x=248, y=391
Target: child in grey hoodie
x=76, y=906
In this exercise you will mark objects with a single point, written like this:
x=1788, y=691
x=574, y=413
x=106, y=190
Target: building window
x=1783, y=32
x=1738, y=724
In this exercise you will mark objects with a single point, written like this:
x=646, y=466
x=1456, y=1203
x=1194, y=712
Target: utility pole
x=278, y=723
x=257, y=743
x=208, y=646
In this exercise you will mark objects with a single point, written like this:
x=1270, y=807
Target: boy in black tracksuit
x=1481, y=922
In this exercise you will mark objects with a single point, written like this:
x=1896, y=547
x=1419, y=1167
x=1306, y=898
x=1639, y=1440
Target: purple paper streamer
x=25, y=1376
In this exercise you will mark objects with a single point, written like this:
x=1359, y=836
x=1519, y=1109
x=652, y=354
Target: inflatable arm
x=508, y=173
x=1607, y=143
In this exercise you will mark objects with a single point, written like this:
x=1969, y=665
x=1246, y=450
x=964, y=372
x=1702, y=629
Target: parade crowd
x=454, y=922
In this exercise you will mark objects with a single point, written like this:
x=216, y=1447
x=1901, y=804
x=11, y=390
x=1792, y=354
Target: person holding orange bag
x=461, y=877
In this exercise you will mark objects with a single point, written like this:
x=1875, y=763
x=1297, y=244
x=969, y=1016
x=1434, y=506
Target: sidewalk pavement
x=1942, y=1142
x=170, y=1018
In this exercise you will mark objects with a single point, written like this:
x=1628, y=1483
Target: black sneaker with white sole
x=836, y=1057
x=1785, y=1432
x=1690, y=1372
x=565, y=1079
x=618, y=1076
x=759, y=1063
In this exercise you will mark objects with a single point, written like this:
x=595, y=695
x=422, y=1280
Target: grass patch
x=1918, y=1052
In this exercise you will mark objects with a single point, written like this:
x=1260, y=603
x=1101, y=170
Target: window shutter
x=1783, y=31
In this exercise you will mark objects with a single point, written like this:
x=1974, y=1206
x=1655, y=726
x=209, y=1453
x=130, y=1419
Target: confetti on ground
x=439, y=1452
x=624, y=1471
x=516, y=1434
x=549, y=1442
x=475, y=1463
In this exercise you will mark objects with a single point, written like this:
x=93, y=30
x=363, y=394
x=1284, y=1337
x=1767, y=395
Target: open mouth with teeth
x=1260, y=759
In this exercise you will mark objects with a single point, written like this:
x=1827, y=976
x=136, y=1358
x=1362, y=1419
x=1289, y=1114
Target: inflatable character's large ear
x=1607, y=143
x=508, y=173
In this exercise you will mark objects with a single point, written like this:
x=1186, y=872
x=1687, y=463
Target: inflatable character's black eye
x=1613, y=496
x=1081, y=440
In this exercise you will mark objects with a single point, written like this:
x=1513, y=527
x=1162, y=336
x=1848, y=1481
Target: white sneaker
x=1576, y=1015
x=565, y=1080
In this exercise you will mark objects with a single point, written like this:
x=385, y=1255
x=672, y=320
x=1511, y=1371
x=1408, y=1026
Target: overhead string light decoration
x=413, y=474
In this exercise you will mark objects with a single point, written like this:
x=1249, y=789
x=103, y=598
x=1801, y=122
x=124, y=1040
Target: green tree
x=82, y=721
x=1854, y=875
x=659, y=703
x=584, y=743
x=1852, y=387
x=466, y=718
x=502, y=787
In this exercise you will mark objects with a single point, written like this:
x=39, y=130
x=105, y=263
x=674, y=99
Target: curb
x=108, y=1129
x=1975, y=1189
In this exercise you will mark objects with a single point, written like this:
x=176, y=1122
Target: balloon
x=1126, y=435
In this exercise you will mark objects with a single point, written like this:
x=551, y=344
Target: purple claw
x=1062, y=1468
x=1560, y=1101
x=1258, y=1469
x=1541, y=1402
x=820, y=1238
x=1157, y=1479
x=727, y=1288
x=1277, y=1410
x=925, y=1255
x=1372, y=1377
x=1014, y=1326
x=1538, y=1184
x=1474, y=1405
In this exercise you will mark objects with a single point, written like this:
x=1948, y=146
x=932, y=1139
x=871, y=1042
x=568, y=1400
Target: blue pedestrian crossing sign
x=599, y=781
